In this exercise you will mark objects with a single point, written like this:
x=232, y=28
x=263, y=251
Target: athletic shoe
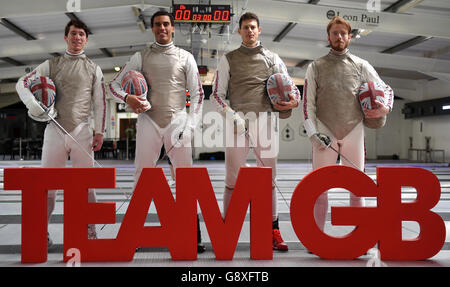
x=278, y=243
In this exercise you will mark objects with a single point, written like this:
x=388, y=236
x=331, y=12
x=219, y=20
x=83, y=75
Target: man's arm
x=309, y=110
x=293, y=100
x=115, y=87
x=99, y=101
x=220, y=89
x=381, y=109
x=196, y=93
x=23, y=88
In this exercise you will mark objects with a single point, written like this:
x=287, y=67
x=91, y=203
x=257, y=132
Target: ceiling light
x=116, y=69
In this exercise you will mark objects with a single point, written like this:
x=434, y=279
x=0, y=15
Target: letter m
x=253, y=187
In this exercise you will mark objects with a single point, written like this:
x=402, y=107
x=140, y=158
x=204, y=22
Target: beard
x=339, y=47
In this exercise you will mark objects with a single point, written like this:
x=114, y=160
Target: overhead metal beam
x=431, y=25
x=402, y=5
x=12, y=61
x=285, y=31
x=106, y=52
x=26, y=7
x=11, y=26
x=407, y=44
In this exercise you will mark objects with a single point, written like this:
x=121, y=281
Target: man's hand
x=97, y=142
x=136, y=103
x=285, y=106
x=320, y=141
x=34, y=107
x=240, y=126
x=378, y=111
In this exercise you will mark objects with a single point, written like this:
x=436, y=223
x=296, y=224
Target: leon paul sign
x=364, y=18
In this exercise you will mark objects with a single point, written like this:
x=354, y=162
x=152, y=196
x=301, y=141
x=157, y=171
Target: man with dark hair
x=79, y=87
x=242, y=75
x=248, y=16
x=162, y=13
x=77, y=24
x=332, y=109
x=169, y=71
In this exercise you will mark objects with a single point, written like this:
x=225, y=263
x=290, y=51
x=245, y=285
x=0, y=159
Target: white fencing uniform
x=242, y=75
x=331, y=106
x=79, y=87
x=169, y=72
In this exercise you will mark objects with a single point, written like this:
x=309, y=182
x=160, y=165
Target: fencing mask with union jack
x=44, y=91
x=134, y=83
x=279, y=87
x=371, y=91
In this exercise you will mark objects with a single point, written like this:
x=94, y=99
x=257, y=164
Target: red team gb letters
x=380, y=224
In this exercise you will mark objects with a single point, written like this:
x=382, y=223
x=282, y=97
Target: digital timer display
x=183, y=13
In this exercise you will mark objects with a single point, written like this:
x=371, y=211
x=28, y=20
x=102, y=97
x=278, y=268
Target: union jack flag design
x=44, y=90
x=279, y=86
x=371, y=91
x=134, y=83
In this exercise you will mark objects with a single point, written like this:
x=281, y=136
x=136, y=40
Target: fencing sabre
x=47, y=110
x=165, y=153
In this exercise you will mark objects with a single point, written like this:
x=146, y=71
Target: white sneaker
x=92, y=233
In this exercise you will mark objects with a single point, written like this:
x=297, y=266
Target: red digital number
x=225, y=15
x=186, y=15
x=178, y=14
x=217, y=15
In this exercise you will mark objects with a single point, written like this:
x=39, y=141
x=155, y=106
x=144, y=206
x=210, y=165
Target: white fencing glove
x=320, y=141
x=240, y=126
x=34, y=107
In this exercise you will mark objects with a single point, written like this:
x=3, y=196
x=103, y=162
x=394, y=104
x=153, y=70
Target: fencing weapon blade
x=47, y=110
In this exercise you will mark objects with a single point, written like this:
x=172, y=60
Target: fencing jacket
x=242, y=75
x=79, y=86
x=331, y=93
x=169, y=71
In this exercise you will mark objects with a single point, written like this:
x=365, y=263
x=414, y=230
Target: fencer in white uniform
x=169, y=72
x=79, y=88
x=241, y=76
x=331, y=107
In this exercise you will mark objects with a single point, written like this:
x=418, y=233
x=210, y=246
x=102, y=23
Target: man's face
x=249, y=32
x=162, y=29
x=76, y=39
x=338, y=37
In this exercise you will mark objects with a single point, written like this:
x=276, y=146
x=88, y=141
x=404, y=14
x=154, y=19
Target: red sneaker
x=278, y=243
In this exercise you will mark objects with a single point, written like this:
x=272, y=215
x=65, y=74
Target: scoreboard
x=192, y=13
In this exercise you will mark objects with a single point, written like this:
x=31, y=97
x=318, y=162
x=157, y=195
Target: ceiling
x=405, y=40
